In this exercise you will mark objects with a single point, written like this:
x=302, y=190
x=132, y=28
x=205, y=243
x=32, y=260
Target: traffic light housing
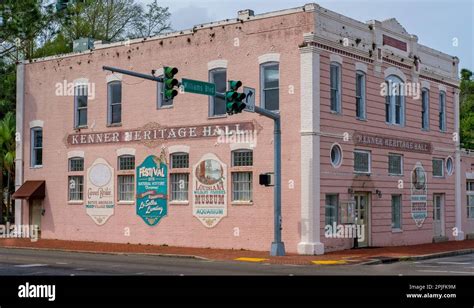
x=233, y=99
x=169, y=83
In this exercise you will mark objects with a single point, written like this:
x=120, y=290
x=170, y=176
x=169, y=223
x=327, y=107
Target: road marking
x=250, y=259
x=329, y=262
x=30, y=265
x=427, y=266
x=455, y=272
x=456, y=263
x=431, y=271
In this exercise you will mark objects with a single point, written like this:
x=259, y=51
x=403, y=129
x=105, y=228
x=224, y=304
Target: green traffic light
x=169, y=82
x=169, y=72
x=234, y=85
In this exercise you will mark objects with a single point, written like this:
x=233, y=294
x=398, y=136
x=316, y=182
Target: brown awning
x=30, y=190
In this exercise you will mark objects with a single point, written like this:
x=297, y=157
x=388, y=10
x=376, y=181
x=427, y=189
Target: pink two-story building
x=369, y=143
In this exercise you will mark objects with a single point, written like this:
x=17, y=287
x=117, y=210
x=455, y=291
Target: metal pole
x=134, y=74
x=278, y=248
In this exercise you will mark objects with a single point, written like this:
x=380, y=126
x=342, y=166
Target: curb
x=113, y=253
x=420, y=257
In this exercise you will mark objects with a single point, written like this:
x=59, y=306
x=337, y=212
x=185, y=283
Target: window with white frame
x=331, y=207
x=270, y=85
x=396, y=211
x=161, y=101
x=80, y=105
x=442, y=111
x=335, y=84
x=242, y=182
x=217, y=106
x=425, y=109
x=438, y=167
x=36, y=147
x=76, y=181
x=126, y=187
x=449, y=166
x=114, y=97
x=336, y=155
x=361, y=161
x=470, y=198
x=126, y=178
x=179, y=178
x=395, y=101
x=395, y=164
x=76, y=188
x=360, y=96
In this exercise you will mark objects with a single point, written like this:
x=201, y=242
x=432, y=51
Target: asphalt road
x=44, y=263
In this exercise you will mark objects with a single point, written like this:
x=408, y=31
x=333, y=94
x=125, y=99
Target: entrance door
x=362, y=217
x=438, y=215
x=35, y=213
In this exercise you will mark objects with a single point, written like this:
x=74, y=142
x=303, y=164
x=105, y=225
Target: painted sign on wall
x=419, y=193
x=100, y=198
x=391, y=143
x=210, y=190
x=152, y=189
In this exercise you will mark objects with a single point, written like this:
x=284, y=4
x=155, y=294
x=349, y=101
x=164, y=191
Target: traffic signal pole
x=277, y=247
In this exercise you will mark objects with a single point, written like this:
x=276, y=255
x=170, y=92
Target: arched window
x=335, y=73
x=217, y=106
x=360, y=95
x=126, y=178
x=395, y=101
x=442, y=111
x=270, y=85
x=425, y=109
x=242, y=176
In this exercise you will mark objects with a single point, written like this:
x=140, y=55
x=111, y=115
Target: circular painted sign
x=100, y=175
x=209, y=172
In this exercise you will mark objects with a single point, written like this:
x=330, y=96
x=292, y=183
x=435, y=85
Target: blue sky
x=438, y=24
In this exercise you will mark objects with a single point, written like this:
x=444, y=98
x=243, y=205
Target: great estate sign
x=153, y=134
x=152, y=188
x=392, y=143
x=100, y=191
x=210, y=190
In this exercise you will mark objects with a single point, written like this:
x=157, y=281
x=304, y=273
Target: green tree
x=466, y=99
x=7, y=155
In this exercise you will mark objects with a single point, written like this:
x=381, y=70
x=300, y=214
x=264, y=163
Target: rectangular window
x=388, y=115
x=438, y=167
x=36, y=146
x=126, y=187
x=335, y=76
x=360, y=96
x=242, y=186
x=395, y=164
x=396, y=211
x=395, y=101
x=179, y=186
x=425, y=113
x=242, y=158
x=219, y=78
x=126, y=162
x=76, y=164
x=332, y=204
x=398, y=107
x=270, y=80
x=76, y=188
x=161, y=102
x=114, y=96
x=442, y=111
x=470, y=199
x=361, y=161
x=80, y=104
x=180, y=160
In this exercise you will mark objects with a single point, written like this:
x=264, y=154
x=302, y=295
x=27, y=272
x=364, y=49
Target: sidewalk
x=353, y=256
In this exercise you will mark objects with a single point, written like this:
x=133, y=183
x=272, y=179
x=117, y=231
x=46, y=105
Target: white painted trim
x=425, y=84
x=36, y=123
x=442, y=87
x=457, y=172
x=361, y=67
x=72, y=154
x=114, y=77
x=126, y=151
x=217, y=64
x=394, y=71
x=469, y=175
x=335, y=58
x=19, y=161
x=241, y=146
x=178, y=149
x=310, y=241
x=342, y=155
x=81, y=81
x=269, y=57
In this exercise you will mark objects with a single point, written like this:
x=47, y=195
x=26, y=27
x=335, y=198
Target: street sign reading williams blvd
x=198, y=87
